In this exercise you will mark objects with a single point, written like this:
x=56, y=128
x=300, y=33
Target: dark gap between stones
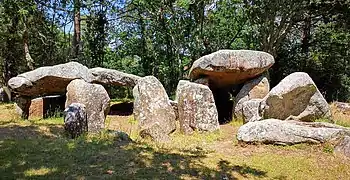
x=224, y=100
x=122, y=109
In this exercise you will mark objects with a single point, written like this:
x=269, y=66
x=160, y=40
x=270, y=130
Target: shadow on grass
x=226, y=170
x=31, y=152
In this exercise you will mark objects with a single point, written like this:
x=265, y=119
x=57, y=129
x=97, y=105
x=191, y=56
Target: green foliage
x=164, y=38
x=328, y=148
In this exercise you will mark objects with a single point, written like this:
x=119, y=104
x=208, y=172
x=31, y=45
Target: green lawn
x=40, y=150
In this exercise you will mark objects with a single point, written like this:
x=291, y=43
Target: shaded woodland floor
x=39, y=149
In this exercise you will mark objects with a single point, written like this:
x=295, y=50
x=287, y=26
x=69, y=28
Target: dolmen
x=223, y=86
x=76, y=82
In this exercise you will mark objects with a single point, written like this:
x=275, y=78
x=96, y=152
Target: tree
x=76, y=44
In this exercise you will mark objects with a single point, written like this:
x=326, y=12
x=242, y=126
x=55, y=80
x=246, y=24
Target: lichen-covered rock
x=250, y=110
x=276, y=131
x=113, y=77
x=95, y=99
x=197, y=110
x=229, y=67
x=49, y=80
x=179, y=88
x=344, y=146
x=152, y=109
x=295, y=97
x=257, y=88
x=75, y=119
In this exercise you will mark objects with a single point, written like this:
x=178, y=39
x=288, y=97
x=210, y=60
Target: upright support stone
x=179, y=88
x=197, y=110
x=94, y=97
x=251, y=110
x=22, y=106
x=152, y=109
x=257, y=88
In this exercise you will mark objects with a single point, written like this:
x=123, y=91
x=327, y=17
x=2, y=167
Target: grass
x=38, y=149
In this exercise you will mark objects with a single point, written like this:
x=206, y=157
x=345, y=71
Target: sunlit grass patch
x=125, y=124
x=48, y=121
x=39, y=172
x=195, y=140
x=8, y=113
x=237, y=122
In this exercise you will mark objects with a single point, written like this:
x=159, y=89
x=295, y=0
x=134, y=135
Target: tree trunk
x=76, y=46
x=306, y=36
x=28, y=58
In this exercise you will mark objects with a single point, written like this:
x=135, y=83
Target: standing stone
x=251, y=110
x=36, y=109
x=229, y=67
x=197, y=110
x=296, y=97
x=22, y=106
x=95, y=99
x=255, y=89
x=344, y=146
x=75, y=119
x=152, y=109
x=179, y=88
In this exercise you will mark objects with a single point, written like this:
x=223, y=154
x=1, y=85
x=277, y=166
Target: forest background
x=164, y=37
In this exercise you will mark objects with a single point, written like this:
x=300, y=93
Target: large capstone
x=75, y=119
x=197, y=110
x=289, y=132
x=48, y=80
x=113, y=77
x=228, y=67
x=257, y=88
x=95, y=99
x=295, y=97
x=152, y=109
